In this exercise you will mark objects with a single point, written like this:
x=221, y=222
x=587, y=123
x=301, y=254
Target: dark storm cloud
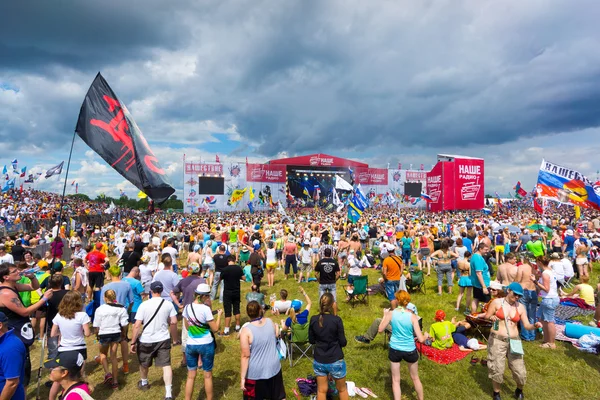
x=84, y=35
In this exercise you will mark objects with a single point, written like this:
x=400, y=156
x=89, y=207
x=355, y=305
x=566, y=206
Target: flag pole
x=62, y=199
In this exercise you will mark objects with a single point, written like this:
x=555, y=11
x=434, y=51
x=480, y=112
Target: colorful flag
x=341, y=184
x=29, y=179
x=251, y=207
x=566, y=185
x=77, y=188
x=107, y=127
x=23, y=172
x=281, y=210
x=9, y=185
x=425, y=197
x=237, y=195
x=399, y=165
x=361, y=197
x=122, y=193
x=577, y=212
x=14, y=164
x=305, y=192
x=73, y=183
x=141, y=195
x=4, y=171
x=56, y=170
x=251, y=194
x=217, y=158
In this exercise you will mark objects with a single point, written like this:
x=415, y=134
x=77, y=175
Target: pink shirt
x=71, y=395
x=289, y=248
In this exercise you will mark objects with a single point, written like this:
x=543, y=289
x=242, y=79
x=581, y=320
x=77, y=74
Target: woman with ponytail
x=109, y=321
x=326, y=333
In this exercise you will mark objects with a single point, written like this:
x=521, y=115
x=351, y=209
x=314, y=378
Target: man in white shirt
x=172, y=251
x=157, y=316
x=5, y=257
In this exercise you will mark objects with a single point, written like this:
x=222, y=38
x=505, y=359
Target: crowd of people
x=135, y=276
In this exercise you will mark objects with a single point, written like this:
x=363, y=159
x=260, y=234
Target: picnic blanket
x=444, y=357
x=568, y=312
x=577, y=302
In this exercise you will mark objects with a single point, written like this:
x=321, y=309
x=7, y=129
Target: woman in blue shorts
x=326, y=333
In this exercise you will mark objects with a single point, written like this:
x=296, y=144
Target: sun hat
x=495, y=285
x=202, y=288
x=516, y=288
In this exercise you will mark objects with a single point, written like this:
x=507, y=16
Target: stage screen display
x=211, y=185
x=413, y=189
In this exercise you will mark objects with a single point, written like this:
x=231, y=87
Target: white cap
x=203, y=288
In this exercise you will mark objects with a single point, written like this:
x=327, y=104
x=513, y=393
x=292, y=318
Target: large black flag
x=107, y=127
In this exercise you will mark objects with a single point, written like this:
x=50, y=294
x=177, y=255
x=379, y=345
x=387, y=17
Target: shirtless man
x=507, y=272
x=529, y=299
x=194, y=256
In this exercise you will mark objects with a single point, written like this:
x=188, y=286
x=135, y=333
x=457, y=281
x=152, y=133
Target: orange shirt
x=392, y=266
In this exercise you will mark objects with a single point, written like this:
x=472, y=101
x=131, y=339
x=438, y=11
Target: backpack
x=81, y=393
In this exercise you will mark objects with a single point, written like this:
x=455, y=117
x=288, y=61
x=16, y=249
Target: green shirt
x=537, y=248
x=25, y=296
x=441, y=332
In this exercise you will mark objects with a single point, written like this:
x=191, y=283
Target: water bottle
x=30, y=271
x=496, y=324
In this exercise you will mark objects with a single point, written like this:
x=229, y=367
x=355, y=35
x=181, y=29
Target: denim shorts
x=547, y=308
x=205, y=351
x=109, y=338
x=337, y=370
x=391, y=287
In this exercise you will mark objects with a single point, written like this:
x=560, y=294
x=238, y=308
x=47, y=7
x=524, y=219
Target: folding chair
x=298, y=339
x=416, y=281
x=359, y=294
x=480, y=325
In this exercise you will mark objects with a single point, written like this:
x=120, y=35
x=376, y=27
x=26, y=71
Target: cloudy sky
x=377, y=81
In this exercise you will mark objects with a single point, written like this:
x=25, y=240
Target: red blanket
x=444, y=357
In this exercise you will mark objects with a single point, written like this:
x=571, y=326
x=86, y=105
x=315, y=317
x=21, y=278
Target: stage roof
x=319, y=160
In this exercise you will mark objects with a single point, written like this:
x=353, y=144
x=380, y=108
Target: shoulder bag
x=150, y=320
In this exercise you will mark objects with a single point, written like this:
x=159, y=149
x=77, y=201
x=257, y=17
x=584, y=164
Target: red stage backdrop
x=434, y=188
x=266, y=173
x=371, y=176
x=456, y=183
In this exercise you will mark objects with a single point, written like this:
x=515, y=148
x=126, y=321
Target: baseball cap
x=440, y=315
x=413, y=308
x=194, y=267
x=67, y=360
x=202, y=288
x=516, y=288
x=296, y=305
x=3, y=317
x=157, y=286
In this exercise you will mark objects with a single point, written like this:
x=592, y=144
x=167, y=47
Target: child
x=446, y=333
x=110, y=320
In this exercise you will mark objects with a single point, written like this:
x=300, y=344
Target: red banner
x=267, y=173
x=418, y=176
x=319, y=160
x=371, y=176
x=435, y=188
x=198, y=168
x=468, y=185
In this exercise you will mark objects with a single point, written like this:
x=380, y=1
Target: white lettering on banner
x=371, y=178
x=469, y=172
x=324, y=161
x=416, y=176
x=195, y=168
x=268, y=175
x=434, y=179
x=564, y=172
x=434, y=187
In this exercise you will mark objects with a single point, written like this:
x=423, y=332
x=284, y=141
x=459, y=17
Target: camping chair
x=416, y=281
x=359, y=294
x=481, y=325
x=298, y=339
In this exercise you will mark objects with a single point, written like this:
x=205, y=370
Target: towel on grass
x=568, y=312
x=577, y=302
x=444, y=357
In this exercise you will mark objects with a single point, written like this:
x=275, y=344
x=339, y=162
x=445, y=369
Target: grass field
x=562, y=374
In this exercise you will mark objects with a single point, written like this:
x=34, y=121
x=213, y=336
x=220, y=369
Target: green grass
x=564, y=374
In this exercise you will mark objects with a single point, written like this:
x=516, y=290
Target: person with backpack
x=110, y=321
x=392, y=271
x=200, y=324
x=152, y=341
x=66, y=371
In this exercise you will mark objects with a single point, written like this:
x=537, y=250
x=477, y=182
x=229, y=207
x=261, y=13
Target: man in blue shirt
x=480, y=276
x=468, y=243
x=12, y=363
x=569, y=242
x=133, y=279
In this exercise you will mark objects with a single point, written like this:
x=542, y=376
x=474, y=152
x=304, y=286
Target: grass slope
x=563, y=374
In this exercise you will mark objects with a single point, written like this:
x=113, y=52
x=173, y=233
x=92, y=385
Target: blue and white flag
x=361, y=197
x=8, y=185
x=14, y=164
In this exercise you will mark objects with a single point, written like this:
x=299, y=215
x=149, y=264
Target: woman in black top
x=326, y=333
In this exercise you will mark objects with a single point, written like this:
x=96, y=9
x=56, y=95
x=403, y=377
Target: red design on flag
x=118, y=128
x=217, y=158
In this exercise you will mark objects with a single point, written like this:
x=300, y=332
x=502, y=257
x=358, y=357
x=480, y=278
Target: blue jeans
x=547, y=309
x=406, y=257
x=215, y=286
x=337, y=369
x=330, y=287
x=204, y=351
x=529, y=300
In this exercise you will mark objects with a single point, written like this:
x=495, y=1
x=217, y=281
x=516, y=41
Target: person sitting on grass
x=256, y=295
x=446, y=333
x=295, y=316
x=371, y=333
x=283, y=305
x=583, y=291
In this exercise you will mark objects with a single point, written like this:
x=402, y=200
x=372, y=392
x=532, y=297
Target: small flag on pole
x=56, y=170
